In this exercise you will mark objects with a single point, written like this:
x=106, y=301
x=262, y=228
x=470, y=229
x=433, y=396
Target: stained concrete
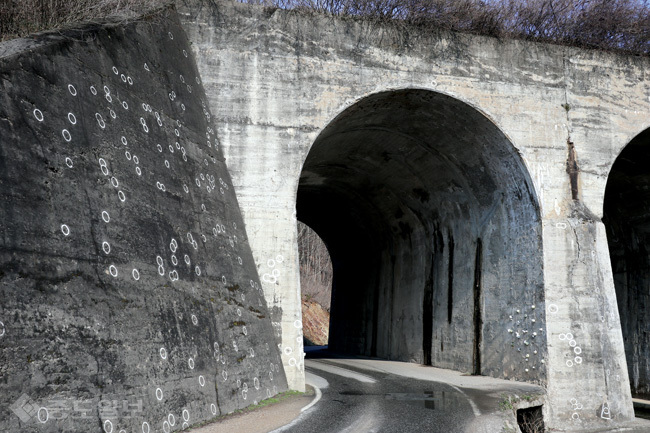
x=467, y=124
x=130, y=299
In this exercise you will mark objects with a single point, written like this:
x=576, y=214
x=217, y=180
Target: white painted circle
x=213, y=408
x=106, y=247
x=105, y=216
x=172, y=419
x=163, y=353
x=65, y=229
x=125, y=105
x=72, y=118
x=93, y=90
x=569, y=363
x=552, y=308
x=145, y=427
x=197, y=270
x=136, y=274
x=66, y=135
x=159, y=394
x=138, y=171
x=72, y=90
x=108, y=426
x=166, y=427
x=578, y=359
x=201, y=381
x=38, y=114
x=100, y=120
x=569, y=336
x=159, y=260
x=186, y=415
x=577, y=350
x=68, y=162
x=121, y=196
x=113, y=270
x=43, y=415
x=3, y=329
x=115, y=71
x=190, y=363
x=195, y=321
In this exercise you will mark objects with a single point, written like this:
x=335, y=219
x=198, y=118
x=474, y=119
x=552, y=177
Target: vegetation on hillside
x=19, y=18
x=315, y=267
x=615, y=25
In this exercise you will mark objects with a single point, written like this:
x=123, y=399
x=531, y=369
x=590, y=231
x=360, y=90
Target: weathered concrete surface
x=130, y=300
x=278, y=82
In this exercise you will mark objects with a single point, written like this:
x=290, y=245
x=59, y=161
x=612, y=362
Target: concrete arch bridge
x=484, y=202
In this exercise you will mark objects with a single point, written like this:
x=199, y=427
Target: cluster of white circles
x=109, y=247
x=577, y=359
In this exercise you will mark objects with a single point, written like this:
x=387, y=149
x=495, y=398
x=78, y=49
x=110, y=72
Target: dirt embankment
x=315, y=323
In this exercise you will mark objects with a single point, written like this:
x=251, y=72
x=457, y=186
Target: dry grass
x=19, y=18
x=614, y=25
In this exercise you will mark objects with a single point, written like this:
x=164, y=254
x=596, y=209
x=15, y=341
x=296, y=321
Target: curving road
x=369, y=395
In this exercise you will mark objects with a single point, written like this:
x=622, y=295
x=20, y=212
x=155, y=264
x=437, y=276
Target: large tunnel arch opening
x=434, y=231
x=626, y=215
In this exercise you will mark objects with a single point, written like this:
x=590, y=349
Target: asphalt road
x=383, y=396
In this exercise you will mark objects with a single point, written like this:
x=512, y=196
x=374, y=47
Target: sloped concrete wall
x=282, y=77
x=130, y=299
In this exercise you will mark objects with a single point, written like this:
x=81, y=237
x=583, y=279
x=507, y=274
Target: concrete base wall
x=130, y=299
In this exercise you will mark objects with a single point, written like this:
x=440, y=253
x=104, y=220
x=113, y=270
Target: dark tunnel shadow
x=626, y=215
x=433, y=227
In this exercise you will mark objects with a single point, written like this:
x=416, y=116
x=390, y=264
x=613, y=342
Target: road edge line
x=319, y=394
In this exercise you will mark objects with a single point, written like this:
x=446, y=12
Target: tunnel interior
x=433, y=228
x=627, y=221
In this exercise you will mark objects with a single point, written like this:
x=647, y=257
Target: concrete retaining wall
x=130, y=299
